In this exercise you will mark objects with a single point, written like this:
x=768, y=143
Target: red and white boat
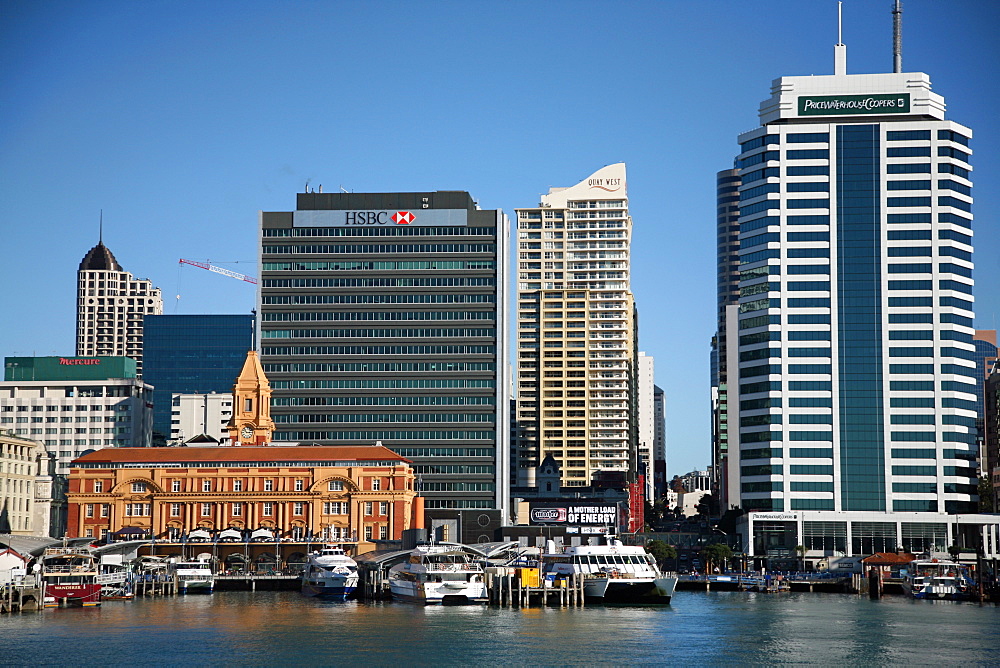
x=69, y=575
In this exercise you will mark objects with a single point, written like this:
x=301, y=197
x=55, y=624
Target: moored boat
x=613, y=573
x=437, y=574
x=330, y=574
x=939, y=580
x=70, y=577
x=194, y=577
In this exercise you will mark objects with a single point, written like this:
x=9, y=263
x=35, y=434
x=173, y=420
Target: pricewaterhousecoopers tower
x=849, y=359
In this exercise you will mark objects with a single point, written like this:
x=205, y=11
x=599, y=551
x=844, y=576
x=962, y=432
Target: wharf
x=23, y=595
x=765, y=584
x=507, y=587
x=258, y=581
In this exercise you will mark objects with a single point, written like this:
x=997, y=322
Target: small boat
x=194, y=577
x=438, y=574
x=613, y=573
x=70, y=577
x=940, y=580
x=330, y=574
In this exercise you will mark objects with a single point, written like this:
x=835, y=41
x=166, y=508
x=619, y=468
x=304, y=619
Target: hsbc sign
x=382, y=218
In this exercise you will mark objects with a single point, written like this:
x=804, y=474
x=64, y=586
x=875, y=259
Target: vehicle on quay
x=613, y=573
x=330, y=574
x=438, y=574
x=70, y=577
x=939, y=580
x=193, y=577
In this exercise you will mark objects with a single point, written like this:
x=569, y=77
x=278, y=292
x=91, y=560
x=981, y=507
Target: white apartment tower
x=856, y=382
x=646, y=419
x=576, y=354
x=110, y=306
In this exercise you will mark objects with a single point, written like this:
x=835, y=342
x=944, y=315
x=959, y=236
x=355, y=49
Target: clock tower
x=251, y=422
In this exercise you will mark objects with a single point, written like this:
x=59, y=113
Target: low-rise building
x=333, y=493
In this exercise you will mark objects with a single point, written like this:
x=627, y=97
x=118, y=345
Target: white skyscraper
x=575, y=346
x=110, y=307
x=646, y=419
x=856, y=386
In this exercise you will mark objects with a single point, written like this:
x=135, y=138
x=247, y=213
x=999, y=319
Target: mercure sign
x=848, y=105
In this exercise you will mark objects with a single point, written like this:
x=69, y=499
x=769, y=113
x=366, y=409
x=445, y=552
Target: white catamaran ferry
x=613, y=573
x=194, y=577
x=436, y=574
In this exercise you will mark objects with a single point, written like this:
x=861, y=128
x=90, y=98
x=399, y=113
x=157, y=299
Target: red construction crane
x=220, y=270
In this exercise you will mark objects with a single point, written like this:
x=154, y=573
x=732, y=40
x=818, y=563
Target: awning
x=199, y=533
x=262, y=533
x=130, y=531
x=230, y=533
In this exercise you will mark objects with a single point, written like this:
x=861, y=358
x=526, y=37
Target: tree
x=716, y=554
x=661, y=551
x=954, y=551
x=985, y=495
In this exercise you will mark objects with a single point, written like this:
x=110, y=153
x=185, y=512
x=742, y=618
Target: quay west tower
x=382, y=319
x=576, y=341
x=856, y=384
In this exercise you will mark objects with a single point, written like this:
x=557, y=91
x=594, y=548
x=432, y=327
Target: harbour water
x=698, y=628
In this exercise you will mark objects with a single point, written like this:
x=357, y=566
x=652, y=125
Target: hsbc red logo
x=403, y=217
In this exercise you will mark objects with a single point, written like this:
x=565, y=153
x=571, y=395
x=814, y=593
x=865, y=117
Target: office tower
x=985, y=356
x=382, y=319
x=192, y=354
x=576, y=342
x=659, y=442
x=110, y=306
x=646, y=420
x=727, y=198
x=856, y=385
x=75, y=404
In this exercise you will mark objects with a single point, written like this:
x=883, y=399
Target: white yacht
x=939, y=579
x=613, y=573
x=194, y=577
x=330, y=573
x=438, y=574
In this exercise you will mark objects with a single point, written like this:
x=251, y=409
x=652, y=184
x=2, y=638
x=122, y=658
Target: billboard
x=850, y=105
x=381, y=218
x=576, y=513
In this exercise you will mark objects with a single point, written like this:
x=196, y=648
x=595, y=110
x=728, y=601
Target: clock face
x=246, y=432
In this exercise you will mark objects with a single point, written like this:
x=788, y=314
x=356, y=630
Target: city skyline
x=182, y=132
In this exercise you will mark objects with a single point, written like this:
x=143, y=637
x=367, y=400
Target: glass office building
x=187, y=354
x=383, y=320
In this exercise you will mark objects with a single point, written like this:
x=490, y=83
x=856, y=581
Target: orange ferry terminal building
x=299, y=494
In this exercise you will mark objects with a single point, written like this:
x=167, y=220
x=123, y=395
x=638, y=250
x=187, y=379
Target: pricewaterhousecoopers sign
x=849, y=105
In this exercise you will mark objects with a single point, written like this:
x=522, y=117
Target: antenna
x=897, y=37
x=839, y=50
x=100, y=229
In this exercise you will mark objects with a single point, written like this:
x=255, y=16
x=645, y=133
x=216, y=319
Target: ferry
x=70, y=577
x=613, y=573
x=940, y=580
x=438, y=574
x=330, y=574
x=194, y=577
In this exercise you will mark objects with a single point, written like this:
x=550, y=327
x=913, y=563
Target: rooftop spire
x=100, y=229
x=840, y=50
x=897, y=37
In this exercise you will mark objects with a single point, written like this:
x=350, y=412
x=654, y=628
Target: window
x=248, y=405
x=175, y=510
x=206, y=485
x=383, y=531
x=237, y=509
x=138, y=487
x=376, y=484
x=299, y=508
x=268, y=485
x=383, y=508
x=268, y=509
x=175, y=486
x=368, y=532
x=105, y=510
x=368, y=508
x=206, y=509
x=334, y=508
x=237, y=485
x=335, y=486
x=89, y=511
x=98, y=486
x=299, y=485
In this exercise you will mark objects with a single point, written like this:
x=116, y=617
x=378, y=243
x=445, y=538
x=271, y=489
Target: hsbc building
x=383, y=318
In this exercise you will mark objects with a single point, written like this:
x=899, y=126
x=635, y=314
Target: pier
x=25, y=594
x=517, y=587
x=767, y=583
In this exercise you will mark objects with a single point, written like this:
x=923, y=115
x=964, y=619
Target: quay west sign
x=381, y=218
x=854, y=105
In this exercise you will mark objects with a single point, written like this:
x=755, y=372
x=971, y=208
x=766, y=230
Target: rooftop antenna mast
x=897, y=37
x=100, y=229
x=840, y=50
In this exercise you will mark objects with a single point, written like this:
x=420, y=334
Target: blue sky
x=181, y=120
